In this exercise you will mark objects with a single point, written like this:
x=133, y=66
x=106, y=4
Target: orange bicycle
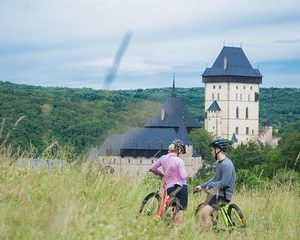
x=160, y=204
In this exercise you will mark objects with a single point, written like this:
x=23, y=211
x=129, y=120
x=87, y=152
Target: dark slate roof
x=214, y=107
x=175, y=114
x=234, y=138
x=238, y=64
x=148, y=138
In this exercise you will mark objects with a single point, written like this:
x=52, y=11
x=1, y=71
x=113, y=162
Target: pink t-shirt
x=173, y=169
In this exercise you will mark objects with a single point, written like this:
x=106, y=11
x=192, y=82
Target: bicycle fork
x=225, y=216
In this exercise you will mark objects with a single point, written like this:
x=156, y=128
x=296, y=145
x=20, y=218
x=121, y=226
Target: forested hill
x=84, y=117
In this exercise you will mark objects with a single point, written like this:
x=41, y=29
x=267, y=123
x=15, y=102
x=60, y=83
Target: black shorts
x=217, y=201
x=182, y=195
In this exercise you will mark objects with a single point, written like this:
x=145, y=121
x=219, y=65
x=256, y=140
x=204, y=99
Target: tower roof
x=173, y=114
x=232, y=61
x=214, y=107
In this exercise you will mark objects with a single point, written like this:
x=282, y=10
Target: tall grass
x=78, y=202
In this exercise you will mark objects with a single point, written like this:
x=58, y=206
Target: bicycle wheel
x=150, y=204
x=219, y=221
x=236, y=216
x=198, y=212
x=171, y=210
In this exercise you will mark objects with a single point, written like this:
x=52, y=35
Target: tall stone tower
x=232, y=97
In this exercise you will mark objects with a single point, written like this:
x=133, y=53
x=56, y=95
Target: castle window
x=114, y=160
x=237, y=130
x=236, y=97
x=256, y=96
x=237, y=87
x=140, y=160
x=128, y=160
x=247, y=113
x=244, y=87
x=220, y=87
x=213, y=96
x=252, y=131
x=241, y=97
x=214, y=86
x=251, y=88
x=247, y=130
x=237, y=112
x=248, y=97
x=218, y=96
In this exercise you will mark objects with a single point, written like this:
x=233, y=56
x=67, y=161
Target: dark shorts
x=182, y=195
x=217, y=201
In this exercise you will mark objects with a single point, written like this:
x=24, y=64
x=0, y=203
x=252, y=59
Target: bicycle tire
x=236, y=216
x=197, y=212
x=150, y=204
x=171, y=210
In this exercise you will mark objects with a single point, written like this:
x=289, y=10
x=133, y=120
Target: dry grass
x=76, y=203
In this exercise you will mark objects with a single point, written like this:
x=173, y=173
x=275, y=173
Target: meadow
x=79, y=202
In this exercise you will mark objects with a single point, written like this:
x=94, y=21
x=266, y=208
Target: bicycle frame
x=226, y=219
x=165, y=200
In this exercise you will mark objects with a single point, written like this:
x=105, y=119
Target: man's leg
x=206, y=213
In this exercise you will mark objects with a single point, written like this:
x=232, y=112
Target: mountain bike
x=160, y=204
x=225, y=216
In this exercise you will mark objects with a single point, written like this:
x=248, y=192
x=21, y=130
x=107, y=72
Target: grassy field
x=76, y=202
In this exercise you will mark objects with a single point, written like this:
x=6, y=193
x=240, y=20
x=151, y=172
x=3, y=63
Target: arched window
x=213, y=96
x=247, y=114
x=237, y=112
x=218, y=96
x=247, y=130
x=237, y=130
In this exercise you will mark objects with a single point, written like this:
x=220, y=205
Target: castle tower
x=232, y=96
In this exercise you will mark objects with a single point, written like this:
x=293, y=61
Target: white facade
x=239, y=112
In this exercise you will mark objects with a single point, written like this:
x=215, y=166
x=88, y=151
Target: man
x=175, y=175
x=223, y=182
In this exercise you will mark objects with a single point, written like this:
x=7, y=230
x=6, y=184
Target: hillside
x=81, y=118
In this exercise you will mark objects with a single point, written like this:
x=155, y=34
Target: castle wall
x=230, y=97
x=139, y=166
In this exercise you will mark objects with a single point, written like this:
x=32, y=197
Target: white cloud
x=79, y=38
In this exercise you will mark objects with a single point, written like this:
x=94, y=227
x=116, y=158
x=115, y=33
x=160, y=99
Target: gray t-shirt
x=225, y=176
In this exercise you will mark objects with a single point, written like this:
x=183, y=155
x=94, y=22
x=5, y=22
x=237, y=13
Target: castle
x=231, y=112
x=232, y=97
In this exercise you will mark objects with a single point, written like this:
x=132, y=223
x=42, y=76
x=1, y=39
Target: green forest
x=81, y=118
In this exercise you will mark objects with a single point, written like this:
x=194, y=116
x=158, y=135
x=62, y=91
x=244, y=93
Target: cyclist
x=224, y=179
x=175, y=175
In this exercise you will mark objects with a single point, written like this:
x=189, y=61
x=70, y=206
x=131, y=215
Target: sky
x=74, y=43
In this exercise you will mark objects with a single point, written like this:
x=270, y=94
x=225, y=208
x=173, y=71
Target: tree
x=201, y=140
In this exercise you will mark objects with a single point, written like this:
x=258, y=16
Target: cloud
x=75, y=40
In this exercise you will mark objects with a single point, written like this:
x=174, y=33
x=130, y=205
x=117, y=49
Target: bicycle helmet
x=220, y=143
x=179, y=145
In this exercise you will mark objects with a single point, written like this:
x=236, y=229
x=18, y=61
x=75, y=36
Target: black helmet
x=179, y=145
x=220, y=143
